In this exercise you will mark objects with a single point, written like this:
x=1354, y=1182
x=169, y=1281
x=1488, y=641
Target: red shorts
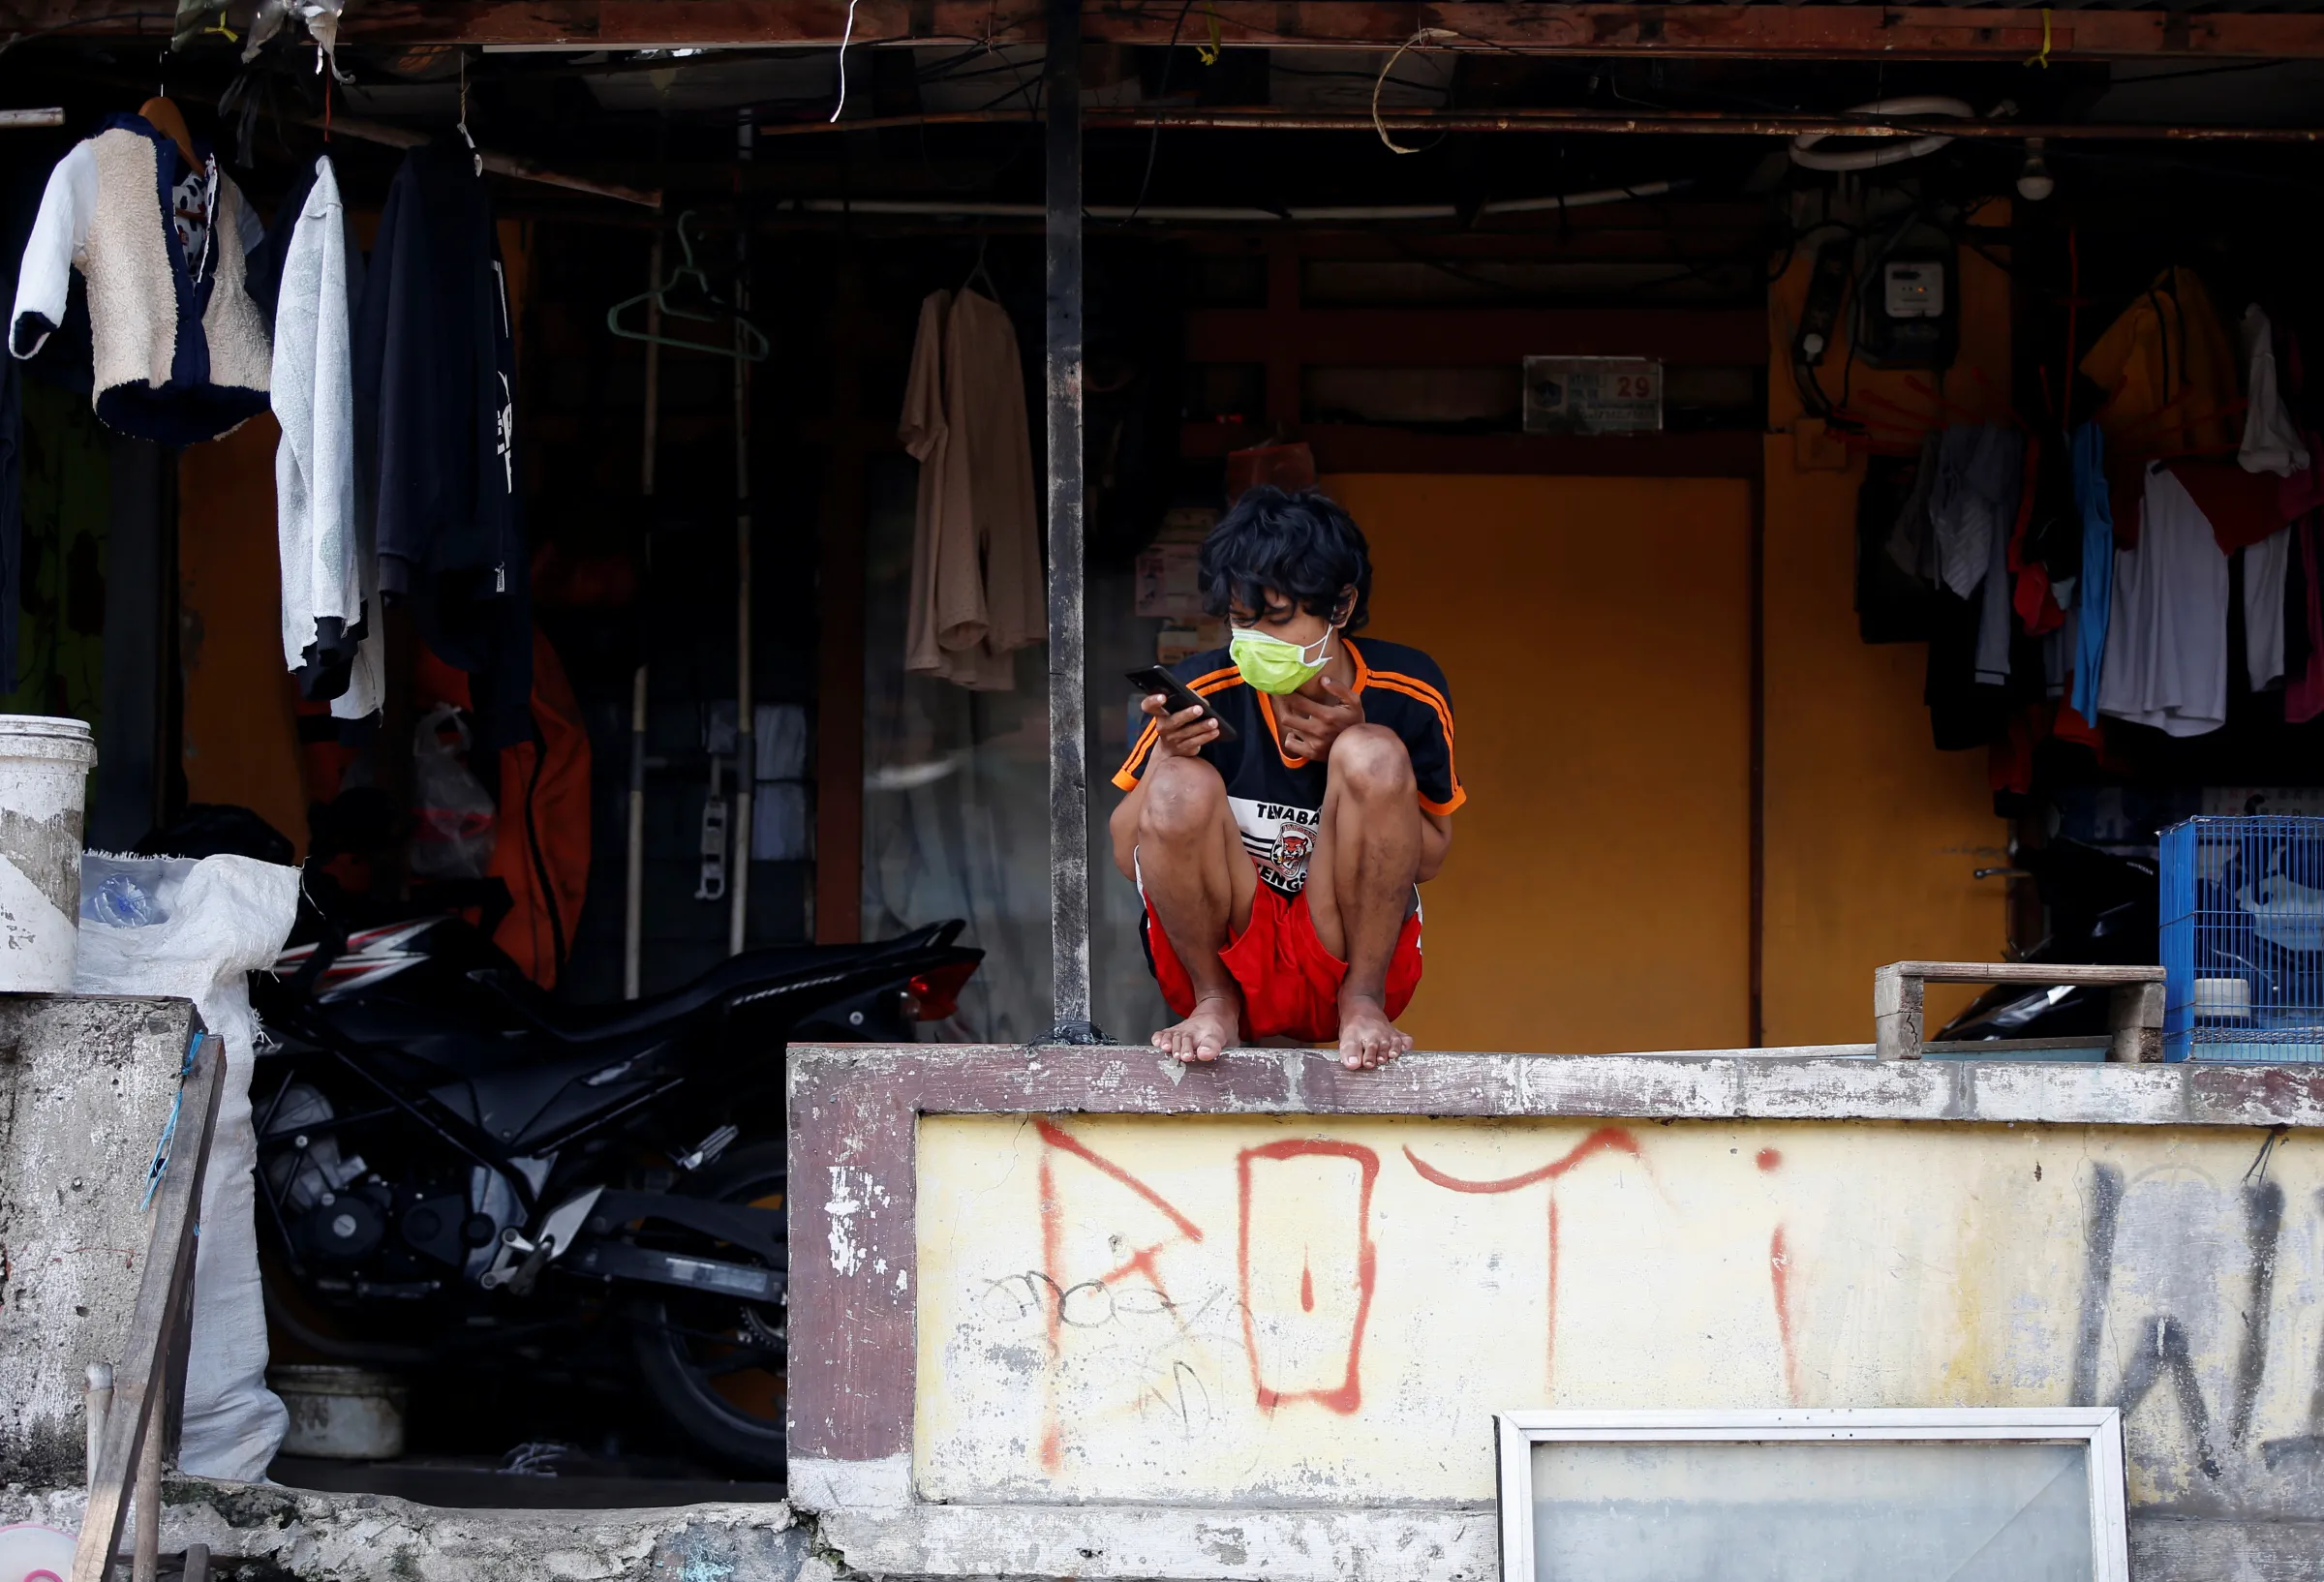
x=1290, y=982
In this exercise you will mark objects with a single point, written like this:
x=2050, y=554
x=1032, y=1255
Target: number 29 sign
x=1593, y=395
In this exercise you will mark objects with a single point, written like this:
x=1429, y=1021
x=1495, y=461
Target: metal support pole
x=1068, y=747
x=634, y=893
x=745, y=720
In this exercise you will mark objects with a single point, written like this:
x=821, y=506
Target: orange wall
x=1595, y=633
x=242, y=735
x=1870, y=833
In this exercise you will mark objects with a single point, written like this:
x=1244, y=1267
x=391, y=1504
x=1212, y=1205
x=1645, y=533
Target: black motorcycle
x=2104, y=910
x=454, y=1169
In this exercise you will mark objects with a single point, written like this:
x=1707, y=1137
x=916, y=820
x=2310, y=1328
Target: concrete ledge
x=1723, y=1085
x=353, y=1537
x=362, y=1538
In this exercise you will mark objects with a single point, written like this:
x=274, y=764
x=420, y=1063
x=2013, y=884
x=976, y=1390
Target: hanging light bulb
x=2034, y=182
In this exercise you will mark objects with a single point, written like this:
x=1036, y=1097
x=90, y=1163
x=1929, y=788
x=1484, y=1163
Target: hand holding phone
x=1156, y=680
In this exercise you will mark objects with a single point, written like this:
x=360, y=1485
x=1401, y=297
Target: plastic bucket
x=44, y=766
x=340, y=1413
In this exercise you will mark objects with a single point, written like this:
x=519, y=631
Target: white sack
x=215, y=920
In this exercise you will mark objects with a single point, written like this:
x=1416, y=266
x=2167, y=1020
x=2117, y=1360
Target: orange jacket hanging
x=540, y=849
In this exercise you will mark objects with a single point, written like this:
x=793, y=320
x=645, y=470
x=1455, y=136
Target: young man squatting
x=1280, y=869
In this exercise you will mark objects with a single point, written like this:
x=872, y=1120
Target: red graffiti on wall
x=1604, y=1139
x=1057, y=1139
x=1779, y=1276
x=1348, y=1394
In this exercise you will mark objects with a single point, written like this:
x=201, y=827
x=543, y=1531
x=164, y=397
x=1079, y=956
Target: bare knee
x=1184, y=798
x=1372, y=761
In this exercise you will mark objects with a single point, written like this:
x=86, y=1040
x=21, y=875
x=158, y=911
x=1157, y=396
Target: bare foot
x=1367, y=1039
x=1207, y=1034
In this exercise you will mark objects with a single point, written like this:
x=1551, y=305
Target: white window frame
x=2099, y=1429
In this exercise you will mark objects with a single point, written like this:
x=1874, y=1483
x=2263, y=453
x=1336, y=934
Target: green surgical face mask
x=1273, y=665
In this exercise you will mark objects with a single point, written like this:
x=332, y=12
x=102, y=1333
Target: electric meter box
x=1908, y=312
x=1913, y=289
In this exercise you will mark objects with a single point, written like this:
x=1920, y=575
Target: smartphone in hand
x=1157, y=679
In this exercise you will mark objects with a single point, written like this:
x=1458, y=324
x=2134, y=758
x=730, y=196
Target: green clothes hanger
x=750, y=342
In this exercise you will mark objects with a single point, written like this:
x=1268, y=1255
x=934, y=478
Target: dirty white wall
x=1270, y=1311
x=86, y=1085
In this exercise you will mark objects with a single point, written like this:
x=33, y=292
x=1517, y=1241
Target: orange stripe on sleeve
x=1396, y=680
x=1126, y=776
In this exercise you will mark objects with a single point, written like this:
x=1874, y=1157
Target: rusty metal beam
x=1760, y=32
x=1674, y=122
x=1438, y=337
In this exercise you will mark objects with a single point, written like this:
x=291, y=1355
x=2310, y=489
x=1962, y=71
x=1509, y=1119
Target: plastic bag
x=454, y=830
x=208, y=923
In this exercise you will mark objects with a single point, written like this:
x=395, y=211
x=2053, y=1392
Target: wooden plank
x=2134, y=1015
x=141, y=1378
x=2025, y=972
x=1444, y=337
x=1823, y=32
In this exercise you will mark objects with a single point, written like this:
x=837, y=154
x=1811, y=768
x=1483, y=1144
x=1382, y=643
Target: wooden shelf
x=1359, y=447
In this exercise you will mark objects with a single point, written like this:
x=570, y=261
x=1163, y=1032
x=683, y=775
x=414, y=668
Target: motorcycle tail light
x=938, y=989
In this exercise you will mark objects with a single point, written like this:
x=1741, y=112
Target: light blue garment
x=2094, y=590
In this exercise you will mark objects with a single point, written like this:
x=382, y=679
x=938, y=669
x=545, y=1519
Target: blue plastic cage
x=2243, y=938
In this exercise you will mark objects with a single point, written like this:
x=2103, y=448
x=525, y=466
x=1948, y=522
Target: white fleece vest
x=161, y=371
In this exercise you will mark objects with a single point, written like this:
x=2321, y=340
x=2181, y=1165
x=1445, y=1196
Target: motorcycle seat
x=775, y=969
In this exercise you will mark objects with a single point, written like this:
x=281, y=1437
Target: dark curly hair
x=1301, y=545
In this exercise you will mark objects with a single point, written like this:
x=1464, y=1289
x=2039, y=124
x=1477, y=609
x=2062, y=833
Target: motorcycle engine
x=358, y=1231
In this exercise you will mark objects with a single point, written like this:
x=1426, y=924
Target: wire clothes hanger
x=976, y=272
x=751, y=342
x=465, y=135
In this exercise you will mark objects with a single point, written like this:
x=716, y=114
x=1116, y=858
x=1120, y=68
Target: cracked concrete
x=279, y=1535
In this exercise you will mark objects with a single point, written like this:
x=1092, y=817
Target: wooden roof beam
x=1759, y=32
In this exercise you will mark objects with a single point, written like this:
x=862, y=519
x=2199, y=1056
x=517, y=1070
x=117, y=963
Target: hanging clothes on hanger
x=2271, y=441
x=977, y=590
x=1997, y=625
x=2169, y=374
x=332, y=630
x=181, y=349
x=2094, y=589
x=2046, y=546
x=2166, y=644
x=1974, y=501
x=2266, y=567
x=434, y=381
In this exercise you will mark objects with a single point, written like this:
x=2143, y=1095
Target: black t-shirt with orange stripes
x=1278, y=799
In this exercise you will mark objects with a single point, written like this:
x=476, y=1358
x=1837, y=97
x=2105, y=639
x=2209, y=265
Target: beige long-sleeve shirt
x=976, y=588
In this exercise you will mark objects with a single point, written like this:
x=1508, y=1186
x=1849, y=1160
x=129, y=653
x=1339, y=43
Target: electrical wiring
x=1420, y=37
x=1153, y=144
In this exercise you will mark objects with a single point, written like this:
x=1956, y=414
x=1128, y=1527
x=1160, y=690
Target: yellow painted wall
x=1870, y=833
x=241, y=732
x=1316, y=1310
x=1595, y=633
